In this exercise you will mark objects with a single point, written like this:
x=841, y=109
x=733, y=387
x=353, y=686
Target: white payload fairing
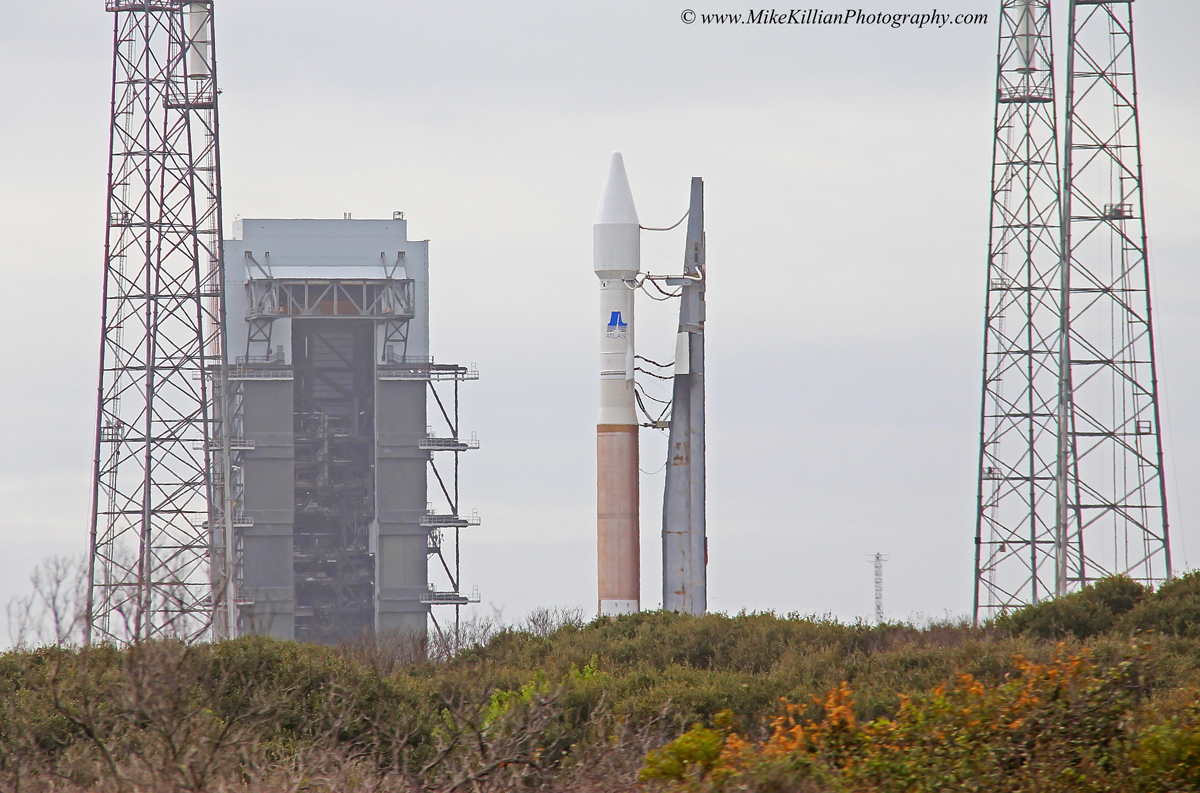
x=616, y=238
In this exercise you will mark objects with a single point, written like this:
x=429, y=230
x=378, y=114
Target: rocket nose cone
x=616, y=204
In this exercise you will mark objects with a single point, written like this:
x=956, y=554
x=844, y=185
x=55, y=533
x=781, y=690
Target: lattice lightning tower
x=1116, y=499
x=155, y=568
x=1071, y=474
x=1020, y=470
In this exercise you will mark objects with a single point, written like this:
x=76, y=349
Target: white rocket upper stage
x=616, y=234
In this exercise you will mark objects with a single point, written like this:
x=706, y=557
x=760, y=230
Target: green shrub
x=691, y=755
x=1168, y=756
x=1174, y=610
x=1089, y=612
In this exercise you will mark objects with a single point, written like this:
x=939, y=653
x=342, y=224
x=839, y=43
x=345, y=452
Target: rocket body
x=616, y=237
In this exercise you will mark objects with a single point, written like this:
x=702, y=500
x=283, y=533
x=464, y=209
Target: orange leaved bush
x=1059, y=726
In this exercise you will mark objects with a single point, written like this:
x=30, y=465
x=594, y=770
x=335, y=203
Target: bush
x=690, y=756
x=1168, y=756
x=1174, y=610
x=558, y=705
x=1089, y=612
x=1062, y=726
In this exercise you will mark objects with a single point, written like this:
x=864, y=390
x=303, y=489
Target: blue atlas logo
x=616, y=327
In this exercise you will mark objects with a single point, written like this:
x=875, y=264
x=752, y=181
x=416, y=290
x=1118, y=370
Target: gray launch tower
x=684, y=536
x=329, y=333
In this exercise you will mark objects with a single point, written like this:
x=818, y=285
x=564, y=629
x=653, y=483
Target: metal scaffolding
x=1019, y=468
x=452, y=519
x=157, y=563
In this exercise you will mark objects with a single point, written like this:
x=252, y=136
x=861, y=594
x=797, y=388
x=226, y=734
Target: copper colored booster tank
x=617, y=257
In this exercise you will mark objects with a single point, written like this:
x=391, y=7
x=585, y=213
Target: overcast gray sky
x=847, y=176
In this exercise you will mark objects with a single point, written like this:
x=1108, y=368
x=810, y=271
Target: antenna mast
x=879, y=559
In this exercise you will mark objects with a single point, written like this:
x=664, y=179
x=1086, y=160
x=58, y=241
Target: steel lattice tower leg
x=155, y=568
x=1021, y=473
x=1117, y=499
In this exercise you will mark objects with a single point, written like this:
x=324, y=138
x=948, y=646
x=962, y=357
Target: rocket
x=616, y=241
